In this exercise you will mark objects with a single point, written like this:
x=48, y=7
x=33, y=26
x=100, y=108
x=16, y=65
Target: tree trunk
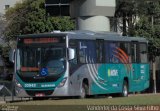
x=124, y=25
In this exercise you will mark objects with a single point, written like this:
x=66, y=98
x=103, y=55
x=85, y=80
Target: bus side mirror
x=12, y=55
x=71, y=53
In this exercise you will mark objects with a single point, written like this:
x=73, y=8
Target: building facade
x=5, y=4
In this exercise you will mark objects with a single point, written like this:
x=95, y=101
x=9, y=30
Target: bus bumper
x=20, y=92
x=57, y=92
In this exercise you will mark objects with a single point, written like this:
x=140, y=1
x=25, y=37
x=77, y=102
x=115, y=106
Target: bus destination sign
x=40, y=40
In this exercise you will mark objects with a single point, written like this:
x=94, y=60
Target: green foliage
x=5, y=51
x=4, y=54
x=142, y=17
x=144, y=28
x=62, y=23
x=29, y=17
x=143, y=20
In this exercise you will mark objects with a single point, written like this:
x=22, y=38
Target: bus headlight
x=18, y=84
x=62, y=82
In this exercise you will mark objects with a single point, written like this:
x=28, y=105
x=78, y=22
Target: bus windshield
x=40, y=62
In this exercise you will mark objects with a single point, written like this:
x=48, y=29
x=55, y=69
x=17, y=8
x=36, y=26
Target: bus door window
x=87, y=52
x=73, y=63
x=82, y=52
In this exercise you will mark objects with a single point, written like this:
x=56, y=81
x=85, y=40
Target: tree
x=2, y=25
x=146, y=24
x=140, y=18
x=149, y=23
x=29, y=17
x=126, y=11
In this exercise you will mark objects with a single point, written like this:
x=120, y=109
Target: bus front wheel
x=83, y=91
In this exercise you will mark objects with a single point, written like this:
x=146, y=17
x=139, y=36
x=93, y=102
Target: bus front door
x=135, y=66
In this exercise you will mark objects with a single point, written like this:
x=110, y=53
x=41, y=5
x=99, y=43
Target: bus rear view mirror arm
x=71, y=53
x=12, y=55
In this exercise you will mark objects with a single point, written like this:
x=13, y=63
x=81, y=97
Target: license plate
x=39, y=94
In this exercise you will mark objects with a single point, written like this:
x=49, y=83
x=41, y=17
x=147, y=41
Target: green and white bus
x=80, y=63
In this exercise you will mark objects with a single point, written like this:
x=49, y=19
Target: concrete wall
x=11, y=3
x=96, y=23
x=92, y=8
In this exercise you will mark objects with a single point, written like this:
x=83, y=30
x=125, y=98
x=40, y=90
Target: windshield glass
x=40, y=62
x=53, y=60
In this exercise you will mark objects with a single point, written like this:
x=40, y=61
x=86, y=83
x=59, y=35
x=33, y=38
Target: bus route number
x=30, y=85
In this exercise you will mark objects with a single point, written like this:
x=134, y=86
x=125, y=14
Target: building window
x=6, y=7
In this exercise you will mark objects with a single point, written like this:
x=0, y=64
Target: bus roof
x=110, y=36
x=83, y=35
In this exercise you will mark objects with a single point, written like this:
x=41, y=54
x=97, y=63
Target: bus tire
x=83, y=91
x=125, y=89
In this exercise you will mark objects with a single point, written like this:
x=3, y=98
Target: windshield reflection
x=32, y=59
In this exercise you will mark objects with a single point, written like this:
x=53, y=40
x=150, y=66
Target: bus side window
x=112, y=55
x=125, y=50
x=129, y=52
x=135, y=52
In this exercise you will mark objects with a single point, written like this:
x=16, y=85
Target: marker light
x=62, y=82
x=18, y=84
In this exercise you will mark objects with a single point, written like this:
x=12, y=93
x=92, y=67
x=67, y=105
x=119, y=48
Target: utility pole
x=154, y=61
x=154, y=76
